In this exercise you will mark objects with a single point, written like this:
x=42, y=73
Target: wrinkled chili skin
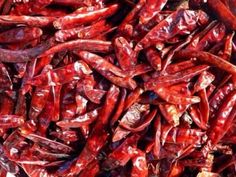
x=117, y=88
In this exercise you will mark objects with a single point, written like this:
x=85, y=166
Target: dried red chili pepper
x=84, y=17
x=168, y=28
x=117, y=88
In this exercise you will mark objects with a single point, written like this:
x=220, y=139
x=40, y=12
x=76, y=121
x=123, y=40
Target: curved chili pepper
x=223, y=13
x=174, y=68
x=147, y=120
x=11, y=56
x=178, y=47
x=126, y=27
x=175, y=78
x=79, y=121
x=181, y=135
x=224, y=117
x=39, y=99
x=84, y=17
x=94, y=95
x=99, y=63
x=50, y=144
x=197, y=117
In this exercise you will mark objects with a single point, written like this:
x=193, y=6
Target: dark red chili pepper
x=11, y=56
x=223, y=13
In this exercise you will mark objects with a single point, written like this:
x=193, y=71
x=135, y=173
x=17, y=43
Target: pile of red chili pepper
x=118, y=88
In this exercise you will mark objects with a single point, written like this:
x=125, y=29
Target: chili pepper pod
x=85, y=17
x=133, y=88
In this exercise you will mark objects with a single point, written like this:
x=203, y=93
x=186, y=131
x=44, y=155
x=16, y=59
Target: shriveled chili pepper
x=82, y=44
x=117, y=88
x=178, y=77
x=85, y=17
x=124, y=53
x=82, y=32
x=61, y=75
x=168, y=28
